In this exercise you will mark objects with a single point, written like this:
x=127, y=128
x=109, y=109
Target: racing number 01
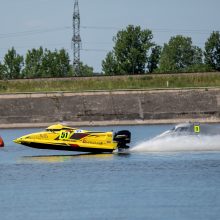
x=64, y=135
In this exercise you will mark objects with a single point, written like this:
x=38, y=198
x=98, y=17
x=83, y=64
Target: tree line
x=39, y=63
x=134, y=52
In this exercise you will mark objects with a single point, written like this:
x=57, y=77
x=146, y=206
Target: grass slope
x=112, y=83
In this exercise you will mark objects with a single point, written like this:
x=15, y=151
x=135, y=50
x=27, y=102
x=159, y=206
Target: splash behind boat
x=59, y=137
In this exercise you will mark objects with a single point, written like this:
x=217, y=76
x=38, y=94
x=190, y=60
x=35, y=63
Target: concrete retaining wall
x=119, y=107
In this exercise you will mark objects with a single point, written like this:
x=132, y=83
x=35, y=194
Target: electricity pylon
x=76, y=40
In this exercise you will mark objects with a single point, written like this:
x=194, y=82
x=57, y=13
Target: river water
x=167, y=179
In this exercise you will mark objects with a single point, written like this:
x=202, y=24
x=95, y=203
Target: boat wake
x=179, y=143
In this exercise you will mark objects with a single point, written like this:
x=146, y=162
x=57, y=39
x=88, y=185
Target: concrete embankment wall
x=118, y=107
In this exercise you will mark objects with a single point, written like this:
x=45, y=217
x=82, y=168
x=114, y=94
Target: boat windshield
x=53, y=130
x=181, y=128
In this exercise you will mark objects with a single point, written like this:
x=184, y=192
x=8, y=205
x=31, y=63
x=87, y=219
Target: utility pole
x=76, y=40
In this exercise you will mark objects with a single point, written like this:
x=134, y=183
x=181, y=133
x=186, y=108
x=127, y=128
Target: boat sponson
x=67, y=148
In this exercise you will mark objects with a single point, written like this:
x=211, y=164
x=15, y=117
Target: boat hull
x=67, y=148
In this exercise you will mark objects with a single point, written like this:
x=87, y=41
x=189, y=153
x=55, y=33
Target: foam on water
x=179, y=143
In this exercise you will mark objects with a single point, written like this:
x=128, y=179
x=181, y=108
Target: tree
x=85, y=70
x=13, y=64
x=130, y=53
x=197, y=55
x=2, y=70
x=179, y=55
x=109, y=65
x=154, y=58
x=55, y=64
x=197, y=62
x=63, y=63
x=33, y=63
x=212, y=51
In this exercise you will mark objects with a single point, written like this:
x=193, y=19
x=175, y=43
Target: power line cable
x=48, y=30
x=33, y=32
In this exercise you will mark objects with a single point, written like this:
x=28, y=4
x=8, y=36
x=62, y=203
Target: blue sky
x=27, y=24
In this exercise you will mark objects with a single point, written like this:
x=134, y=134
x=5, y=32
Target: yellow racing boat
x=60, y=137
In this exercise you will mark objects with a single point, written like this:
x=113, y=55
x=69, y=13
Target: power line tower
x=76, y=40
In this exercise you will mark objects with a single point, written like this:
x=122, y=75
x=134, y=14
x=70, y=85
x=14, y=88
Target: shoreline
x=111, y=123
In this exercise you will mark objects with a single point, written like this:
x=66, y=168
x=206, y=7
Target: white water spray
x=179, y=143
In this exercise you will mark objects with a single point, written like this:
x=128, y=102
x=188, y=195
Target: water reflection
x=63, y=158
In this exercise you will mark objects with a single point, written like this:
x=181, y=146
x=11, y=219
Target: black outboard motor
x=123, y=138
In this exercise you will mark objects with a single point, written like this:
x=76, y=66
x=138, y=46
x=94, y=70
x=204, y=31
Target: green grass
x=112, y=83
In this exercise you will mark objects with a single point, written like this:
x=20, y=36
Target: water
x=151, y=182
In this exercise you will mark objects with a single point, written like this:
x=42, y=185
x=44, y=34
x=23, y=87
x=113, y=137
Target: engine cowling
x=123, y=138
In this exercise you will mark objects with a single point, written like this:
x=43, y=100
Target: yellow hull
x=58, y=137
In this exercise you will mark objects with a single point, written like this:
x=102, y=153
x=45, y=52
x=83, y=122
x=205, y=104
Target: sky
x=27, y=24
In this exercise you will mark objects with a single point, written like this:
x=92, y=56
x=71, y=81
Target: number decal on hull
x=197, y=129
x=64, y=135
